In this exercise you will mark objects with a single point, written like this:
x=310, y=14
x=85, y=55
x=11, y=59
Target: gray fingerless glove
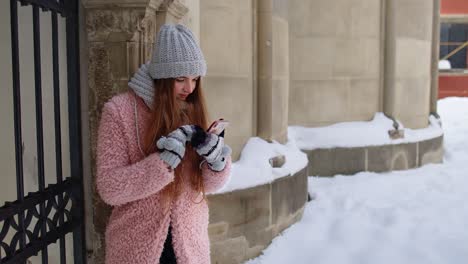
x=173, y=145
x=219, y=164
x=211, y=147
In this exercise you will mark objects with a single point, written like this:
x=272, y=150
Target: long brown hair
x=167, y=115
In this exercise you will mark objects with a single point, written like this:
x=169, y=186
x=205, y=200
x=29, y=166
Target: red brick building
x=454, y=36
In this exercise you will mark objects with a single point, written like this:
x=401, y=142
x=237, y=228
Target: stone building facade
x=271, y=63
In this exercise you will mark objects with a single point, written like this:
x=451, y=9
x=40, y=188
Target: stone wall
x=336, y=56
x=347, y=161
x=243, y=222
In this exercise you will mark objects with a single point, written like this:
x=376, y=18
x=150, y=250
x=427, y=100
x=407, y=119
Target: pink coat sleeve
x=214, y=180
x=117, y=181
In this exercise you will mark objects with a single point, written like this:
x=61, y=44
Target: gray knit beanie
x=176, y=54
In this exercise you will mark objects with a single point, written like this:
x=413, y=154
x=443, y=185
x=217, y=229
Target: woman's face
x=184, y=86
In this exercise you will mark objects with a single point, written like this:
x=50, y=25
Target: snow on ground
x=414, y=216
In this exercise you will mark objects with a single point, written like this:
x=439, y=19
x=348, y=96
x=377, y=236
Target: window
x=454, y=44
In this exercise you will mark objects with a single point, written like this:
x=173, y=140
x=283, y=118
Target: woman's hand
x=211, y=147
x=173, y=145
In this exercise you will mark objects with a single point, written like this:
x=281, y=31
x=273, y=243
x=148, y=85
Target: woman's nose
x=189, y=86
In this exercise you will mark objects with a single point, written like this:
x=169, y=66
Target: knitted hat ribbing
x=176, y=54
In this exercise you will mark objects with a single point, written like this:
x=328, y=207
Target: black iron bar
x=46, y=5
x=74, y=121
x=58, y=133
x=17, y=116
x=39, y=122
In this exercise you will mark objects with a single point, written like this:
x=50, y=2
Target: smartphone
x=218, y=126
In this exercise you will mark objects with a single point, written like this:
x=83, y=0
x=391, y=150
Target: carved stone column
x=120, y=36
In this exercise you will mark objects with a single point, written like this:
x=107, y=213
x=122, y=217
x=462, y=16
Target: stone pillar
x=273, y=71
x=120, y=36
x=435, y=56
x=408, y=61
x=227, y=41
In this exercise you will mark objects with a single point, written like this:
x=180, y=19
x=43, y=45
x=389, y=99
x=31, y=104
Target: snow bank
x=404, y=217
x=253, y=167
x=360, y=134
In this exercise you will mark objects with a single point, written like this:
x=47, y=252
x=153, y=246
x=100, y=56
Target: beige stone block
x=264, y=108
x=373, y=57
x=246, y=211
x=254, y=252
x=317, y=17
x=312, y=58
x=279, y=109
x=273, y=81
x=349, y=58
x=414, y=121
x=412, y=58
x=227, y=51
x=356, y=57
x=264, y=6
x=318, y=101
x=364, y=99
x=280, y=43
x=431, y=151
x=281, y=9
x=413, y=19
x=232, y=251
x=265, y=46
x=231, y=98
x=218, y=231
x=364, y=18
x=412, y=96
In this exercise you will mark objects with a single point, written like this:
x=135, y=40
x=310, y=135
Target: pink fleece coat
x=131, y=183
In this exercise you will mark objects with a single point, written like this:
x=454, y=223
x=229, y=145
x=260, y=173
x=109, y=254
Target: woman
x=155, y=162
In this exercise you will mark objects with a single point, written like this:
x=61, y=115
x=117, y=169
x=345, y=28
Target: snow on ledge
x=253, y=167
x=360, y=134
x=444, y=65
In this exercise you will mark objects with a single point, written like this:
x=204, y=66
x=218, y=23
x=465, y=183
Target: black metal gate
x=36, y=220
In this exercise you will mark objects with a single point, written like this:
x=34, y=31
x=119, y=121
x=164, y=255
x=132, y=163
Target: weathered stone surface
x=229, y=251
x=244, y=222
x=246, y=210
x=218, y=231
x=392, y=157
x=288, y=195
x=431, y=151
x=288, y=221
x=329, y=162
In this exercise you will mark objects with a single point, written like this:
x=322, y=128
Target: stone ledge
x=244, y=222
x=347, y=161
